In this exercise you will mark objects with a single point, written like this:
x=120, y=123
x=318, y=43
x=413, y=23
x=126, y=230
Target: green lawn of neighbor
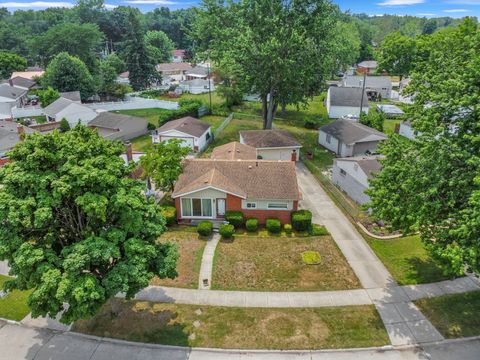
x=14, y=305
x=238, y=328
x=214, y=120
x=389, y=126
x=453, y=315
x=275, y=264
x=407, y=260
x=150, y=114
x=204, y=98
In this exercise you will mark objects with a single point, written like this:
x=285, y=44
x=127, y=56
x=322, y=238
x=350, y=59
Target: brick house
x=260, y=189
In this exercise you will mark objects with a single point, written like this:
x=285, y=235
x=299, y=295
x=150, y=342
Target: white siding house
x=71, y=111
x=373, y=84
x=342, y=101
x=272, y=144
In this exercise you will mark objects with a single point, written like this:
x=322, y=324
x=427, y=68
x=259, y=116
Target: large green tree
x=75, y=228
x=432, y=184
x=163, y=163
x=81, y=40
x=140, y=64
x=69, y=73
x=396, y=54
x=159, y=46
x=9, y=63
x=283, y=48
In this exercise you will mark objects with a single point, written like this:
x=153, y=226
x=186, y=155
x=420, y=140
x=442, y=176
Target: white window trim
x=277, y=208
x=201, y=205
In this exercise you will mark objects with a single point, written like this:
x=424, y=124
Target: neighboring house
x=70, y=110
x=374, y=85
x=13, y=95
x=367, y=66
x=196, y=134
x=10, y=135
x=28, y=74
x=198, y=72
x=72, y=96
x=123, y=78
x=234, y=151
x=260, y=189
x=352, y=176
x=405, y=129
x=390, y=110
x=6, y=111
x=349, y=138
x=178, y=55
x=272, y=144
x=112, y=126
x=343, y=101
x=175, y=71
x=197, y=86
x=22, y=83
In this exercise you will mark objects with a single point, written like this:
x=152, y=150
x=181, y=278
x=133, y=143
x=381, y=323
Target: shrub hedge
x=302, y=220
x=187, y=108
x=226, y=230
x=235, y=218
x=251, y=225
x=169, y=213
x=287, y=228
x=205, y=228
x=274, y=226
x=318, y=230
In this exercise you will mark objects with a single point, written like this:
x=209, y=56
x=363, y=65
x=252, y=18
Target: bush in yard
x=274, y=226
x=287, y=228
x=302, y=220
x=169, y=213
x=251, y=225
x=311, y=124
x=205, y=228
x=317, y=230
x=226, y=230
x=235, y=218
x=151, y=127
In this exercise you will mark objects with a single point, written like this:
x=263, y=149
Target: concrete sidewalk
x=20, y=343
x=207, y=262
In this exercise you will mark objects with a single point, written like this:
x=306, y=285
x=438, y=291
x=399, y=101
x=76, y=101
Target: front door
x=221, y=207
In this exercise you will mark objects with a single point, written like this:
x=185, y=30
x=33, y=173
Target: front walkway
x=206, y=268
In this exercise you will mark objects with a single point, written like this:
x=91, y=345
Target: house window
x=208, y=135
x=197, y=207
x=277, y=206
x=251, y=205
x=343, y=172
x=328, y=138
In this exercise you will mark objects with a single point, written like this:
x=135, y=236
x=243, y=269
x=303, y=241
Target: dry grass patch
x=276, y=264
x=190, y=248
x=239, y=328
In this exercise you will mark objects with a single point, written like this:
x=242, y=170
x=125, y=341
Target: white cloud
x=35, y=4
x=150, y=2
x=464, y=2
x=110, y=6
x=455, y=10
x=400, y=2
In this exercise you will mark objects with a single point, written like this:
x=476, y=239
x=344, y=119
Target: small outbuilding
x=272, y=144
x=113, y=126
x=343, y=101
x=349, y=138
x=194, y=133
x=72, y=111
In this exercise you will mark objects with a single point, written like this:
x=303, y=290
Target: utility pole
x=363, y=92
x=209, y=85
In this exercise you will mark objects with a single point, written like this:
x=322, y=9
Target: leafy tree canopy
x=9, y=63
x=69, y=73
x=48, y=96
x=432, y=184
x=396, y=54
x=163, y=163
x=75, y=229
x=159, y=46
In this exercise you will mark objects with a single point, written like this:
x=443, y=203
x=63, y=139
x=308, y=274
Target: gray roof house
x=374, y=85
x=272, y=144
x=349, y=138
x=72, y=95
x=22, y=83
x=112, y=126
x=343, y=101
x=72, y=111
x=368, y=66
x=13, y=94
x=353, y=174
x=10, y=135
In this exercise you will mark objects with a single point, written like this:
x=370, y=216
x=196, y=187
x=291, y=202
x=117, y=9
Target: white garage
x=272, y=144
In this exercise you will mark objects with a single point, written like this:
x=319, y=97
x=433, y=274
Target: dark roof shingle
x=346, y=96
x=234, y=151
x=269, y=138
x=188, y=125
x=351, y=132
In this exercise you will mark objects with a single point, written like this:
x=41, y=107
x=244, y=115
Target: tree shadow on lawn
x=140, y=321
x=423, y=271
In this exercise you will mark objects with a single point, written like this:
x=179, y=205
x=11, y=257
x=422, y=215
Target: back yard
x=14, y=305
x=238, y=328
x=273, y=263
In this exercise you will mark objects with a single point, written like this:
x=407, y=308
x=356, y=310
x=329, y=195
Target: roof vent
x=249, y=166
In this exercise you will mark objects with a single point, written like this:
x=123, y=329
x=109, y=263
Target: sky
x=422, y=8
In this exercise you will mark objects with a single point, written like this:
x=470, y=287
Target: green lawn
x=204, y=98
x=150, y=114
x=214, y=120
x=275, y=264
x=142, y=143
x=453, y=315
x=389, y=126
x=14, y=305
x=407, y=260
x=238, y=328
